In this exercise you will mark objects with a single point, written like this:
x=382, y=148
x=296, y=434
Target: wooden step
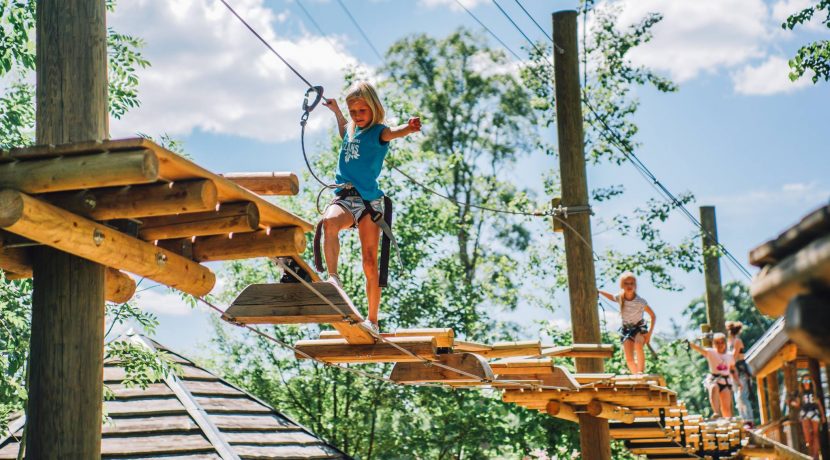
x=342, y=351
x=296, y=303
x=469, y=363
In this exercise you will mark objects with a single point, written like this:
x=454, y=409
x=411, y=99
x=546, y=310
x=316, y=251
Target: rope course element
x=493, y=34
x=360, y=29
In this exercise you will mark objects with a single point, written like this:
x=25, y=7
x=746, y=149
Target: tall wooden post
x=593, y=432
x=711, y=269
x=66, y=373
x=792, y=390
x=774, y=389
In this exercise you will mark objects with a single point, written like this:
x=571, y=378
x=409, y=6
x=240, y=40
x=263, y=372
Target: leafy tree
x=813, y=56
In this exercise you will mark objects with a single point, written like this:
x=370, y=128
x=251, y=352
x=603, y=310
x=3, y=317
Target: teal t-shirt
x=361, y=160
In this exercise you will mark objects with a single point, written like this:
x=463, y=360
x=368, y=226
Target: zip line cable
x=493, y=34
x=265, y=42
x=534, y=21
x=360, y=29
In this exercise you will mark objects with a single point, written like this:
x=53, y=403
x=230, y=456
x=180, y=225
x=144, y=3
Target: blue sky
x=738, y=134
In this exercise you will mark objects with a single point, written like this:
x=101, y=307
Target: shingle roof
x=194, y=416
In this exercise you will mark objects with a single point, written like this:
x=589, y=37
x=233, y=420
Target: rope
x=264, y=42
x=488, y=30
x=360, y=29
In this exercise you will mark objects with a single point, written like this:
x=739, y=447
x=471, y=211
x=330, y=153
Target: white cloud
x=162, y=301
x=209, y=72
x=769, y=77
x=700, y=36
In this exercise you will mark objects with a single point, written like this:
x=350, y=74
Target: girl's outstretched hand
x=414, y=124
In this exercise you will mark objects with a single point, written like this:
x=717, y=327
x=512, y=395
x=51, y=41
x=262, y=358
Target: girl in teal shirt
x=365, y=144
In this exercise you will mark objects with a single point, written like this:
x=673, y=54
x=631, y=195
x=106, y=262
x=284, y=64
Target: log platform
x=76, y=198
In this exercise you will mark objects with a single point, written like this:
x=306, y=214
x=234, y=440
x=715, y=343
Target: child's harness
x=381, y=219
x=630, y=331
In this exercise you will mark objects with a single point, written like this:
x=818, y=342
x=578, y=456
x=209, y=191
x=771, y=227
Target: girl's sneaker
x=372, y=327
x=335, y=280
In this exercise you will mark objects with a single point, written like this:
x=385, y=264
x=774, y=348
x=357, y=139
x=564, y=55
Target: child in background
x=365, y=145
x=721, y=375
x=736, y=346
x=635, y=333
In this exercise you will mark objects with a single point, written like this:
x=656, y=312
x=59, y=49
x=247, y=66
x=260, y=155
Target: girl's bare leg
x=714, y=400
x=628, y=349
x=641, y=357
x=369, y=238
x=335, y=219
x=726, y=403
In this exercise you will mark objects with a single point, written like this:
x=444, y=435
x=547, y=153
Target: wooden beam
x=581, y=350
x=52, y=226
x=278, y=242
x=472, y=347
x=266, y=183
x=119, y=287
x=604, y=410
x=808, y=324
x=443, y=336
x=341, y=351
x=773, y=288
x=474, y=367
x=135, y=201
x=229, y=218
x=80, y=172
x=788, y=352
x=665, y=450
x=637, y=432
x=628, y=398
x=561, y=410
x=815, y=224
x=758, y=451
x=290, y=303
x=512, y=349
x=711, y=269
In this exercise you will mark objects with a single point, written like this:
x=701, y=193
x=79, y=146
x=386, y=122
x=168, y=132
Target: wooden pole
x=791, y=389
x=593, y=432
x=711, y=269
x=67, y=343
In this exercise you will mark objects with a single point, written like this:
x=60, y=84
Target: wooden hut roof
x=766, y=347
x=195, y=416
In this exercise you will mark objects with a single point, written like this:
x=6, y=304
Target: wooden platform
x=121, y=203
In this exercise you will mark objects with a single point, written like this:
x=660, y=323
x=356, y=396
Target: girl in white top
x=635, y=333
x=721, y=373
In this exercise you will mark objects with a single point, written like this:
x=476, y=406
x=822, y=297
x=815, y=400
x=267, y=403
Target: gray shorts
x=354, y=206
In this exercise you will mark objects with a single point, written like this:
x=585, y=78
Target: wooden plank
x=292, y=452
x=561, y=410
x=276, y=242
x=787, y=353
x=122, y=391
x=136, y=201
x=80, y=172
x=162, y=444
x=218, y=404
x=443, y=336
x=174, y=168
x=271, y=438
x=289, y=303
x=813, y=225
x=341, y=351
x=117, y=374
x=512, y=349
x=250, y=422
x=604, y=410
x=149, y=424
x=50, y=225
x=550, y=375
x=144, y=407
x=796, y=274
x=660, y=450
x=469, y=363
x=472, y=347
x=266, y=183
x=581, y=350
x=204, y=388
x=628, y=398
x=228, y=218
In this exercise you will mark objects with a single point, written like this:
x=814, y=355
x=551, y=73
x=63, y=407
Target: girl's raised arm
x=697, y=347
x=341, y=120
x=412, y=126
x=607, y=295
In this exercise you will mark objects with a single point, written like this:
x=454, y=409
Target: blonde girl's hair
x=623, y=277
x=364, y=90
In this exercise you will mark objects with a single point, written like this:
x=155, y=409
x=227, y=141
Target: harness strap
x=383, y=280
x=318, y=253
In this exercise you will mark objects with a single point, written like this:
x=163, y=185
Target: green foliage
x=124, y=59
x=15, y=324
x=142, y=365
x=813, y=56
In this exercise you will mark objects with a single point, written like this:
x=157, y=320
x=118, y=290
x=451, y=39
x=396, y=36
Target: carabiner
x=307, y=108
